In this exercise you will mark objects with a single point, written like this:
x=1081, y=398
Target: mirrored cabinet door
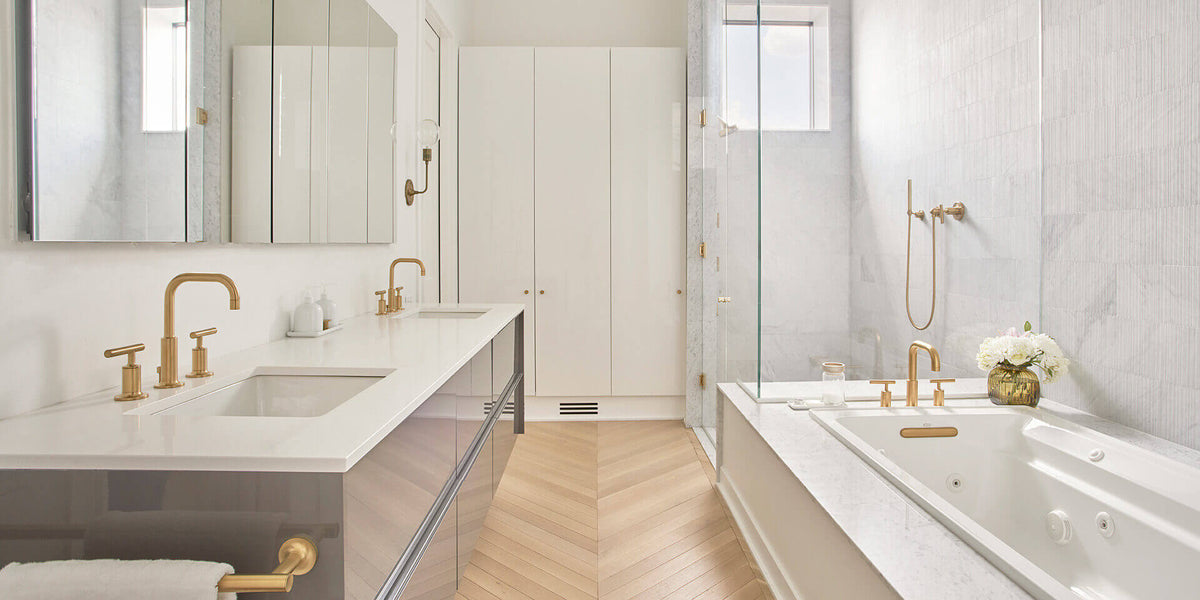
x=313, y=153
x=381, y=129
x=107, y=105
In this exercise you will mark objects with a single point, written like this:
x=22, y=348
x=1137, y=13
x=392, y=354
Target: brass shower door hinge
x=703, y=381
x=703, y=117
x=703, y=250
x=201, y=116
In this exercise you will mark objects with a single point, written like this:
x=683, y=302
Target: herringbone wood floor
x=612, y=511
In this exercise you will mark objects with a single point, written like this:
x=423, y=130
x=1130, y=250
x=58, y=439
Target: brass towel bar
x=297, y=556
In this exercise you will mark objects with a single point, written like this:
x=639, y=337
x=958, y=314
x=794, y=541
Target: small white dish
x=313, y=334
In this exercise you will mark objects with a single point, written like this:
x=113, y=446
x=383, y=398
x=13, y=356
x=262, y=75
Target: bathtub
x=1065, y=511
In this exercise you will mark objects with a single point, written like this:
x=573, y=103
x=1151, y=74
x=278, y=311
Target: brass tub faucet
x=395, y=303
x=936, y=364
x=168, y=371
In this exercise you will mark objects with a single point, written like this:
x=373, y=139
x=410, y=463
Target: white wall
x=576, y=23
x=62, y=304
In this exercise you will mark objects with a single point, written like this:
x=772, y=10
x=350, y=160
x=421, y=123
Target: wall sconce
x=427, y=136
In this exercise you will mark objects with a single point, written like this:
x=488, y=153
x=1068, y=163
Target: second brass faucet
x=395, y=301
x=168, y=370
x=910, y=392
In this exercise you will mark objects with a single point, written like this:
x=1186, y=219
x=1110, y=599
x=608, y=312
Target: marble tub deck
x=917, y=555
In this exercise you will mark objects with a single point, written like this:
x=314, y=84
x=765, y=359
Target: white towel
x=113, y=580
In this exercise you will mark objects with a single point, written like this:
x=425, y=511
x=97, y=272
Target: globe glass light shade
x=427, y=133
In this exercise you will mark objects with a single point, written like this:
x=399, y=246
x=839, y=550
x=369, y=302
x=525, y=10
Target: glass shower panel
x=739, y=141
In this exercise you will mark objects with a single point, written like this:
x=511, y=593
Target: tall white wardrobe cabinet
x=571, y=201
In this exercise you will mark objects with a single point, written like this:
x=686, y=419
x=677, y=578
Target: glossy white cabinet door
x=250, y=145
x=648, y=329
x=571, y=191
x=348, y=144
x=496, y=183
x=291, y=162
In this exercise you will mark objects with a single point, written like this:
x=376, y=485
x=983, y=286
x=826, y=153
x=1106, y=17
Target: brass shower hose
x=908, y=264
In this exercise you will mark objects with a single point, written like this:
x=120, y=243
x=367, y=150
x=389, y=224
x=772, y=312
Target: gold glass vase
x=1014, y=386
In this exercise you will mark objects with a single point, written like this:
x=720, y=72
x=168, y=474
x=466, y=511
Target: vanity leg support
x=519, y=393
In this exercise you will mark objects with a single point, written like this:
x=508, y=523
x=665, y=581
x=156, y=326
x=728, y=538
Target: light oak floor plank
x=611, y=511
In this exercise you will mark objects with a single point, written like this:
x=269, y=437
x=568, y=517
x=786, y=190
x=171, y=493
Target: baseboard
x=608, y=408
x=763, y=555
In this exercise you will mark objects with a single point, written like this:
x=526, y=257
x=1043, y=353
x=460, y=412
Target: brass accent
x=703, y=250
x=131, y=373
x=526, y=292
x=201, y=116
x=410, y=189
x=928, y=432
x=920, y=214
x=703, y=118
x=200, y=353
x=703, y=381
x=383, y=306
x=939, y=395
x=910, y=392
x=297, y=556
x=679, y=292
x=724, y=299
x=957, y=210
x=168, y=371
x=885, y=396
x=394, y=300
x=541, y=292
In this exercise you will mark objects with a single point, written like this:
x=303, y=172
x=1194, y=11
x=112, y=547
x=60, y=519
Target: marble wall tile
x=945, y=94
x=1121, y=277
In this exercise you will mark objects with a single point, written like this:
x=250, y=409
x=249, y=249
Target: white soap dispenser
x=307, y=317
x=328, y=309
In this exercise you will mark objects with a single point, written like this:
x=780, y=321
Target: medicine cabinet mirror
x=131, y=136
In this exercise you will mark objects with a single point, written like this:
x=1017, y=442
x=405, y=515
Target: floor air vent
x=508, y=408
x=578, y=408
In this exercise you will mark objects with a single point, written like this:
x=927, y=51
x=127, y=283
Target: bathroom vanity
x=382, y=442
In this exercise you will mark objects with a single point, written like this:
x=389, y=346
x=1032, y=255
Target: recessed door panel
x=647, y=222
x=571, y=192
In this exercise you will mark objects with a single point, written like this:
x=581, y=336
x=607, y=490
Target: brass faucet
x=394, y=303
x=936, y=360
x=168, y=371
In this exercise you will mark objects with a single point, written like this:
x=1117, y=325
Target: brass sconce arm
x=410, y=189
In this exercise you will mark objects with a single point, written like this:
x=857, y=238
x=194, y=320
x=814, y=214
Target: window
x=164, y=67
x=782, y=62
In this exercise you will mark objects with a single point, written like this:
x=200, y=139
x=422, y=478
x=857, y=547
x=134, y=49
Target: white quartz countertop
x=914, y=552
x=94, y=432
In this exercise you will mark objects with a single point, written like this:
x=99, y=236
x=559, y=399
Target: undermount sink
x=277, y=393
x=442, y=313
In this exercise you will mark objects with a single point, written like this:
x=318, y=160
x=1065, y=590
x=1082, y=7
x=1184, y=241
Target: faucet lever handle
x=200, y=354
x=939, y=395
x=885, y=396
x=131, y=373
x=383, y=302
x=130, y=351
x=201, y=334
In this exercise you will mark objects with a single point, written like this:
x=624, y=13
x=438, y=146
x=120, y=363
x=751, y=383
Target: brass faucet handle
x=131, y=373
x=200, y=335
x=885, y=396
x=383, y=303
x=200, y=354
x=130, y=351
x=939, y=395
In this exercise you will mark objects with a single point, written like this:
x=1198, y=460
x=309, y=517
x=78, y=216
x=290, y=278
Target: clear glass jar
x=833, y=384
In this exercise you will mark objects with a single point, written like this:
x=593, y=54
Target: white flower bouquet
x=1023, y=350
